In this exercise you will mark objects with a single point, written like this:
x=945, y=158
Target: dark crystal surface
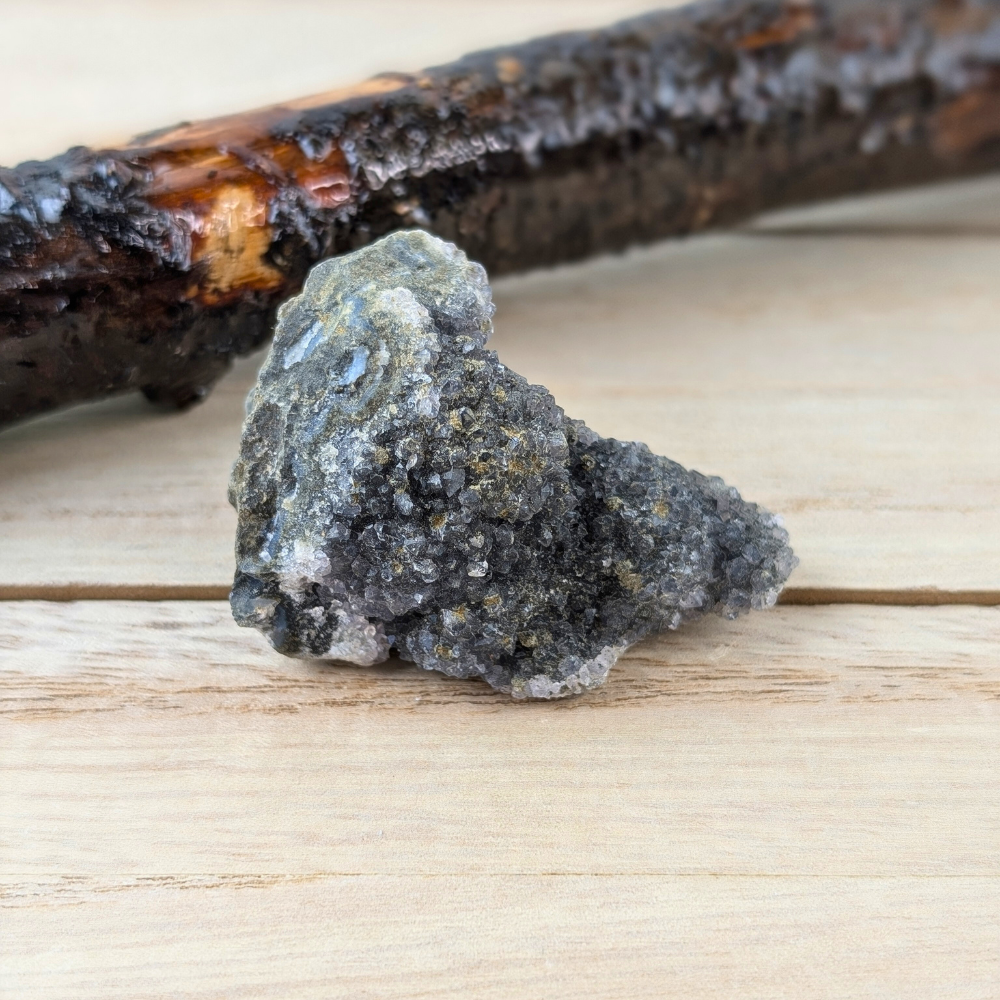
x=399, y=488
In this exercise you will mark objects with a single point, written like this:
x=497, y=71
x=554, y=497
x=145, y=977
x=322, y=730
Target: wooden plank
x=188, y=60
x=849, y=383
x=562, y=937
x=146, y=739
x=969, y=208
x=121, y=493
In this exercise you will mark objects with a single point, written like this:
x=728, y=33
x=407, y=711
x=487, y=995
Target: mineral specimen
x=399, y=488
x=149, y=266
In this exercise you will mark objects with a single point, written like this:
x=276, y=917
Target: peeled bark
x=150, y=266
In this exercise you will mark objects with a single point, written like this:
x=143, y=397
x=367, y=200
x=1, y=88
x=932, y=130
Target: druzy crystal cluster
x=399, y=488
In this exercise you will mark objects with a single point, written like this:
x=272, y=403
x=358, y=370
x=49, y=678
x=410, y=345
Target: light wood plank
x=151, y=739
x=941, y=210
x=562, y=938
x=64, y=84
x=850, y=384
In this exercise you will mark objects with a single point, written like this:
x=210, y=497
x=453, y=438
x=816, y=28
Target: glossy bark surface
x=150, y=266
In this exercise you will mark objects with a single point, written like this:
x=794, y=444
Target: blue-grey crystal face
x=398, y=488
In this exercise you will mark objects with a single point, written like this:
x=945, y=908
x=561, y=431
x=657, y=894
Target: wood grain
x=849, y=383
x=799, y=804
x=155, y=739
x=559, y=937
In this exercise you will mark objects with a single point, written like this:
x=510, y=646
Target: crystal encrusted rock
x=398, y=488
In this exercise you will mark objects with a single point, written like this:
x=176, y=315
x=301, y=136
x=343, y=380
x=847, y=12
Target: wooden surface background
x=800, y=804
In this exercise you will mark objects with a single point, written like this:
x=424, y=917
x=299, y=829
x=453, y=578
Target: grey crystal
x=400, y=489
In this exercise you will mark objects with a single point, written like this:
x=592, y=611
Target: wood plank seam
x=794, y=596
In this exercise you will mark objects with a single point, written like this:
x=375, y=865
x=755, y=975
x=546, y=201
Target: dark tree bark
x=150, y=266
